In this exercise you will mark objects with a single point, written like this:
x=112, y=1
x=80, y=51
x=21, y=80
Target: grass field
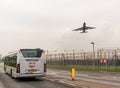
x=87, y=68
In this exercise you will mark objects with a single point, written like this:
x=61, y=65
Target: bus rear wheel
x=11, y=72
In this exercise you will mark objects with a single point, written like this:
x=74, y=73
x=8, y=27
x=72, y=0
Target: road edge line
x=62, y=82
x=1, y=85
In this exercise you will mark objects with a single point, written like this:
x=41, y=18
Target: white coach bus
x=25, y=63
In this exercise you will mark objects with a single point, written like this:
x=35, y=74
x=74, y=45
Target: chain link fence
x=101, y=60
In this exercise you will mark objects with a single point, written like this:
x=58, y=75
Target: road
x=8, y=82
x=101, y=78
x=60, y=77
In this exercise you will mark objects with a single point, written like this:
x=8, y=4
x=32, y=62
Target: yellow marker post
x=73, y=73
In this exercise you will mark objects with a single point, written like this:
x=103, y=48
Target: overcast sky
x=48, y=24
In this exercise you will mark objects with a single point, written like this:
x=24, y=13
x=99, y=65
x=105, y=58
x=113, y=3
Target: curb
x=63, y=82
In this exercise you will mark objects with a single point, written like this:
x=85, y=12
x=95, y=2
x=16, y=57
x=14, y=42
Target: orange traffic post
x=73, y=73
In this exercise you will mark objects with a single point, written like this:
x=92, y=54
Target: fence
x=102, y=60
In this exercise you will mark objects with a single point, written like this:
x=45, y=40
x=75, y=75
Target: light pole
x=93, y=55
x=93, y=46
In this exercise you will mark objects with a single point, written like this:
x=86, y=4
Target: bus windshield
x=27, y=53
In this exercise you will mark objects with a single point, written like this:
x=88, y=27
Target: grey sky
x=48, y=23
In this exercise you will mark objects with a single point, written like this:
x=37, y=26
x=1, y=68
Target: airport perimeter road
x=8, y=82
x=92, y=78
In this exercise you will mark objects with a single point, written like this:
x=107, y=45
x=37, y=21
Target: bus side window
x=14, y=61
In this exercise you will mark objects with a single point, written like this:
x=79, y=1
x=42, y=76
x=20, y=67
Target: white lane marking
x=1, y=85
x=114, y=77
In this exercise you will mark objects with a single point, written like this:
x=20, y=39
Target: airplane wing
x=78, y=29
x=90, y=28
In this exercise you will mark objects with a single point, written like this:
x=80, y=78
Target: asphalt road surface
x=103, y=78
x=8, y=82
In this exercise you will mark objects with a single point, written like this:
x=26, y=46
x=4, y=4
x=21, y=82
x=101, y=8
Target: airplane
x=84, y=28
